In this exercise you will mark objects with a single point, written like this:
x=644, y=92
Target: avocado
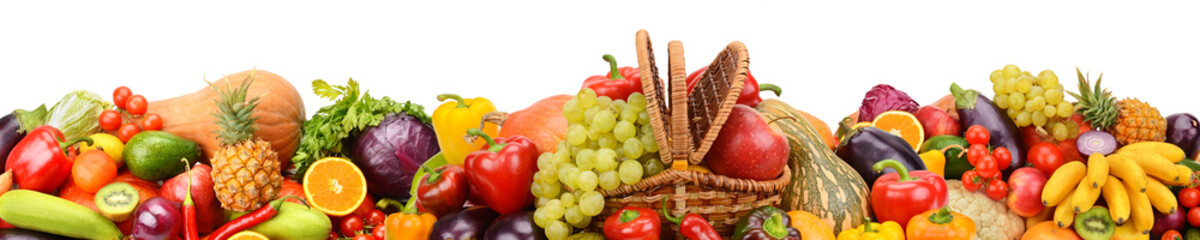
x=154, y=155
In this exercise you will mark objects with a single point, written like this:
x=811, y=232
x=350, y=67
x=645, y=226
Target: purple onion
x=1096, y=142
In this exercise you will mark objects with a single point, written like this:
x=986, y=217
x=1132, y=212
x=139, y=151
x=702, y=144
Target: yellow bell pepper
x=451, y=121
x=935, y=161
x=874, y=231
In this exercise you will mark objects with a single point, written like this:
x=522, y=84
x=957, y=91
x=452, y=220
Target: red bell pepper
x=903, y=194
x=632, y=223
x=503, y=171
x=443, y=191
x=39, y=161
x=618, y=83
x=750, y=90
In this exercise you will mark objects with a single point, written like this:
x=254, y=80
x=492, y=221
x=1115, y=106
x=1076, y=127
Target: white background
x=824, y=55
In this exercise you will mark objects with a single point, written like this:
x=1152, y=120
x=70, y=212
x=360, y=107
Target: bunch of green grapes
x=608, y=143
x=1034, y=100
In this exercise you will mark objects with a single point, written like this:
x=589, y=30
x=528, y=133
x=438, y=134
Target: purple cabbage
x=391, y=152
x=883, y=98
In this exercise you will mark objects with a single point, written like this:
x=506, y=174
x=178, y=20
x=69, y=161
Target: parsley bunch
x=352, y=112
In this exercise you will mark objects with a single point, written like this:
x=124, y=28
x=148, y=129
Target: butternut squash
x=280, y=113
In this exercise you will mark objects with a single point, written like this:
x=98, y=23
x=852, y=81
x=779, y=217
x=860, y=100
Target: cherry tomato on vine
x=1193, y=217
x=364, y=237
x=971, y=180
x=351, y=224
x=127, y=131
x=120, y=95
x=1172, y=235
x=1046, y=156
x=987, y=166
x=110, y=120
x=997, y=189
x=376, y=217
x=1003, y=157
x=1189, y=197
x=152, y=122
x=380, y=232
x=136, y=105
x=977, y=134
x=976, y=152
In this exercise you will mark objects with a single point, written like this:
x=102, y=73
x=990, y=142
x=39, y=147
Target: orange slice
x=335, y=186
x=860, y=125
x=248, y=235
x=903, y=124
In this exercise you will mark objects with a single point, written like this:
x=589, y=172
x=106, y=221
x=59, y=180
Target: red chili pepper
x=693, y=226
x=503, y=171
x=39, y=161
x=250, y=219
x=632, y=223
x=618, y=83
x=749, y=96
x=189, y=208
x=903, y=194
x=443, y=191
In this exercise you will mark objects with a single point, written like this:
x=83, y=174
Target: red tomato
x=110, y=120
x=976, y=152
x=92, y=170
x=1189, y=197
x=136, y=105
x=365, y=208
x=971, y=180
x=380, y=232
x=351, y=224
x=376, y=217
x=152, y=122
x=1172, y=235
x=997, y=189
x=121, y=95
x=987, y=166
x=1046, y=156
x=1193, y=217
x=1003, y=157
x=364, y=237
x=127, y=131
x=977, y=135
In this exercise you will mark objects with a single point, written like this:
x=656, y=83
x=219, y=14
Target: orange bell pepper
x=940, y=224
x=407, y=224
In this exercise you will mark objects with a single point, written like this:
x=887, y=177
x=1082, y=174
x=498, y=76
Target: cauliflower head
x=993, y=219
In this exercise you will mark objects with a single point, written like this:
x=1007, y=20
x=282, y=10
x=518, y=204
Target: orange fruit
x=248, y=235
x=860, y=125
x=903, y=124
x=335, y=186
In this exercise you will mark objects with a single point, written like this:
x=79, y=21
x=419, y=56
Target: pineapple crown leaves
x=1096, y=104
x=234, y=114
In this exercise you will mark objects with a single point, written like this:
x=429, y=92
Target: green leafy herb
x=352, y=112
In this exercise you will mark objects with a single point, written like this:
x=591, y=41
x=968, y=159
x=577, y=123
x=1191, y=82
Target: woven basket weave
x=684, y=132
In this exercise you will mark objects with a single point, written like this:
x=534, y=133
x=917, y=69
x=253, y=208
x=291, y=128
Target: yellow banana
x=1064, y=180
x=1141, y=213
x=1169, y=151
x=1097, y=170
x=1160, y=197
x=1128, y=171
x=1085, y=197
x=1064, y=215
x=1186, y=175
x=1154, y=165
x=1118, y=200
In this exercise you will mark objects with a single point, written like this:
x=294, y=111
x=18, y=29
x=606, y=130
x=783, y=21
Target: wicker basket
x=684, y=132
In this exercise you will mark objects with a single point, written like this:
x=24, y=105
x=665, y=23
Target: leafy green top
x=352, y=111
x=235, y=115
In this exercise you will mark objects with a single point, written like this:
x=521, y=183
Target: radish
x=1096, y=142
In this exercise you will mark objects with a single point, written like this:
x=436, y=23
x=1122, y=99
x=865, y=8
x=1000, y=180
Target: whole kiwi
x=1095, y=224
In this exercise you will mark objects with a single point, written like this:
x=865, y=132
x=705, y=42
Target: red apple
x=747, y=148
x=937, y=121
x=1025, y=199
x=208, y=209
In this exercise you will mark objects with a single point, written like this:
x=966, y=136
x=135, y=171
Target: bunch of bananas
x=1133, y=182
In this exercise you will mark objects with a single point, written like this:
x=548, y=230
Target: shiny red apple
x=937, y=121
x=1025, y=199
x=748, y=148
x=208, y=209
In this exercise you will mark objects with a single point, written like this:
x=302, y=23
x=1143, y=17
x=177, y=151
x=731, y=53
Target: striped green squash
x=822, y=183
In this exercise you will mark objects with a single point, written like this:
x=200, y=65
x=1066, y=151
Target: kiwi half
x=1095, y=224
x=116, y=201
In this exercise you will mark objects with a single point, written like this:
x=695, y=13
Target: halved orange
x=248, y=235
x=860, y=125
x=335, y=186
x=903, y=124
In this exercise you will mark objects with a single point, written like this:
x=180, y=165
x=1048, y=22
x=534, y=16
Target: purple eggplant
x=1182, y=129
x=870, y=145
x=391, y=152
x=9, y=135
x=1163, y=222
x=24, y=234
x=515, y=226
x=157, y=218
x=975, y=109
x=463, y=225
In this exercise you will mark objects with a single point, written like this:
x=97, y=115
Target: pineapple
x=246, y=170
x=1128, y=120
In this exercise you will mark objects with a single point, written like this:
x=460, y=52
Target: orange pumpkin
x=543, y=122
x=1048, y=231
x=280, y=113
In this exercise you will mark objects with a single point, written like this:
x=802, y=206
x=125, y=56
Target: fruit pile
x=239, y=159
